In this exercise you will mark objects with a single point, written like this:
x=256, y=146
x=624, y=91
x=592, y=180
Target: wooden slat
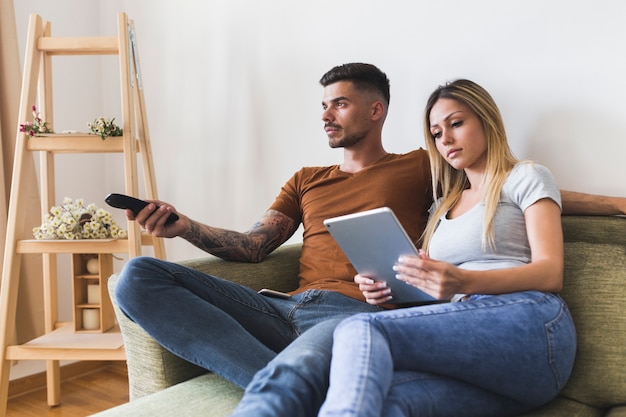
x=76, y=143
x=73, y=246
x=80, y=245
x=101, y=45
x=24, y=352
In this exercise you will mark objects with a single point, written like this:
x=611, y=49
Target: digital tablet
x=372, y=241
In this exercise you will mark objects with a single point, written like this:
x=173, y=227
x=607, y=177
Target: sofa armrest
x=278, y=271
x=151, y=368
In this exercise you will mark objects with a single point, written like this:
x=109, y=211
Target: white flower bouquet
x=73, y=220
x=104, y=128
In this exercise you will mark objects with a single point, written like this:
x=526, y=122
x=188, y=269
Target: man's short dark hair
x=363, y=76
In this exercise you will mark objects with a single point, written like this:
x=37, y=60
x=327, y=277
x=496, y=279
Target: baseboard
x=37, y=381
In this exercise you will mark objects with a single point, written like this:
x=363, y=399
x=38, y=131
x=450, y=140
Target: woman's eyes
x=453, y=124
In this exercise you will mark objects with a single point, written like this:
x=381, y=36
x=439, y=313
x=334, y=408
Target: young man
x=242, y=331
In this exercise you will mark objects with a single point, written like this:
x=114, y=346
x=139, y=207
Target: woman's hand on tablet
x=375, y=292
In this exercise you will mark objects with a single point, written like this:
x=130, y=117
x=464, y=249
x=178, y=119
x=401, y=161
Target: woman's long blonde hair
x=448, y=182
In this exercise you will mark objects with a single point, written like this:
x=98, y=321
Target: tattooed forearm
x=252, y=246
x=218, y=242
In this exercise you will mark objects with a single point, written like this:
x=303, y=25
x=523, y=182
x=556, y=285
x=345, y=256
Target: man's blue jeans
x=490, y=356
x=225, y=327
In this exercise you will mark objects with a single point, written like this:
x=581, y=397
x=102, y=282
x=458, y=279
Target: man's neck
x=356, y=160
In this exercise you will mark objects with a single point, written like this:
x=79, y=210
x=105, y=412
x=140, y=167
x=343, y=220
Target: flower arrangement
x=104, y=128
x=73, y=220
x=37, y=126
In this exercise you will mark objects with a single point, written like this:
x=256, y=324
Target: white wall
x=234, y=102
x=233, y=98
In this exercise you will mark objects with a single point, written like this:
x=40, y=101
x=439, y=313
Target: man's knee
x=131, y=280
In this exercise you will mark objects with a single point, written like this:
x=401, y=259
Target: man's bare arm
x=575, y=203
x=268, y=233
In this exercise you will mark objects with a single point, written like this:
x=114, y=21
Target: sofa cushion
x=595, y=291
x=206, y=395
x=565, y=407
x=617, y=412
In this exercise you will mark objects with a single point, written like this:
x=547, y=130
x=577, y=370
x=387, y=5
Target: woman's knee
x=357, y=324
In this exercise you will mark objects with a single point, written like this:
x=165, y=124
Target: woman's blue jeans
x=225, y=327
x=489, y=356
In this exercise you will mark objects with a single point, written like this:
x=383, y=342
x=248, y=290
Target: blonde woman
x=505, y=344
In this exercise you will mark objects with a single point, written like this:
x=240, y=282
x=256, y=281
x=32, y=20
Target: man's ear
x=377, y=110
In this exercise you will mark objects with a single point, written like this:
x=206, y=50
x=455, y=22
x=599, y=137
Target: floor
x=80, y=396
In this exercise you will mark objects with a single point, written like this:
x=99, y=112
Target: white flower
x=69, y=220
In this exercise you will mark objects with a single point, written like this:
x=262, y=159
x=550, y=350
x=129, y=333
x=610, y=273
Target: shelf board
x=73, y=246
x=76, y=143
x=65, y=344
x=79, y=245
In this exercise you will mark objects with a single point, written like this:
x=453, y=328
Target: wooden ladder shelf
x=36, y=88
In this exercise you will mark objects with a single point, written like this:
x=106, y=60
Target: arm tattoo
x=267, y=234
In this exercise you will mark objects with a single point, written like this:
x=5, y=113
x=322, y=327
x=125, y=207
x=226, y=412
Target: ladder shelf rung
x=95, y=45
x=76, y=143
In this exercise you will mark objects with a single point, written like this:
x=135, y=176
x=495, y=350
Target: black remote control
x=122, y=201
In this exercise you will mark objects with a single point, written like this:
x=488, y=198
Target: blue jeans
x=489, y=356
x=222, y=326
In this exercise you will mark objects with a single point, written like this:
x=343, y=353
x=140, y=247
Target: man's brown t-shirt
x=313, y=194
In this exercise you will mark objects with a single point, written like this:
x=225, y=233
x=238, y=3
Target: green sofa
x=595, y=289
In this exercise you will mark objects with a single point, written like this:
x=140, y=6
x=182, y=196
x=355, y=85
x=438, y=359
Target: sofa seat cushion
x=617, y=412
x=564, y=407
x=207, y=395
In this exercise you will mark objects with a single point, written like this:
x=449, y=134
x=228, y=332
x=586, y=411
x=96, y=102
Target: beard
x=347, y=141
